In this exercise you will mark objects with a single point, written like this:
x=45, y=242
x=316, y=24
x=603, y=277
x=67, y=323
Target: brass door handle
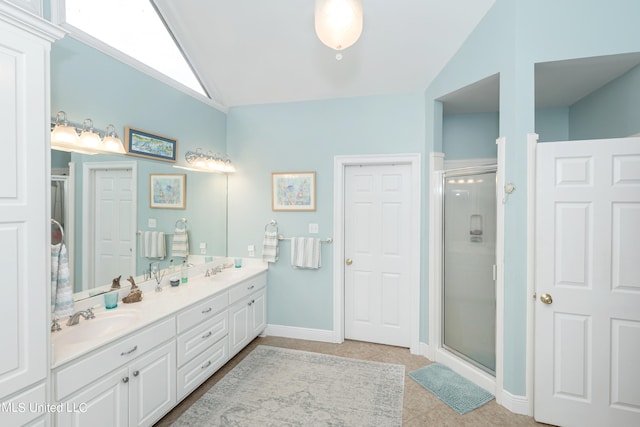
x=546, y=299
x=349, y=261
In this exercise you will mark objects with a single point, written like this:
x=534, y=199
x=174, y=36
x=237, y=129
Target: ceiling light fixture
x=64, y=137
x=338, y=22
x=210, y=162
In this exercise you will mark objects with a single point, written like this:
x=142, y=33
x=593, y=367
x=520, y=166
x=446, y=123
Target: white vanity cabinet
x=203, y=345
x=128, y=383
x=247, y=313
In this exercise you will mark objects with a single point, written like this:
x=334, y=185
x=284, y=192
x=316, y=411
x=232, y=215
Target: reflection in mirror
x=87, y=179
x=62, y=229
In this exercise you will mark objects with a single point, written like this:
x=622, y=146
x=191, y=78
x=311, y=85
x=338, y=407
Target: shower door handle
x=349, y=261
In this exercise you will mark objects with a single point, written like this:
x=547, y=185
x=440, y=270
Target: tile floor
x=421, y=408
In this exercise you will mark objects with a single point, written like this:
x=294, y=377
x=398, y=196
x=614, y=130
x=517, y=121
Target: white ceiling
x=266, y=51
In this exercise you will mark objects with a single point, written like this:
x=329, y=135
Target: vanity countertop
x=153, y=307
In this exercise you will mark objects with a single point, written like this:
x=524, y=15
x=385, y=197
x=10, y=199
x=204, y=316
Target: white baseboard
x=322, y=335
x=516, y=404
x=424, y=350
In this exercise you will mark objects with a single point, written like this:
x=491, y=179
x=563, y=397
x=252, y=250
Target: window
x=134, y=28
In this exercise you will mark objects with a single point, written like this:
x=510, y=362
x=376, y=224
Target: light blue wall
x=306, y=136
x=613, y=111
x=552, y=124
x=87, y=83
x=467, y=136
x=510, y=40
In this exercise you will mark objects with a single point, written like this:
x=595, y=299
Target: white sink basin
x=104, y=324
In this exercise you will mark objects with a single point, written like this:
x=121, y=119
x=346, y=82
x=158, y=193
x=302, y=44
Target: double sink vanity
x=132, y=364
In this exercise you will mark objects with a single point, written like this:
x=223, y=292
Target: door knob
x=349, y=261
x=546, y=299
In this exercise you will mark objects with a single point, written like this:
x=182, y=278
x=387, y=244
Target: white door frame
x=435, y=351
x=88, y=201
x=339, y=165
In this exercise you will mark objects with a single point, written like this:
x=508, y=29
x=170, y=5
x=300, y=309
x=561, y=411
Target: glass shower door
x=469, y=291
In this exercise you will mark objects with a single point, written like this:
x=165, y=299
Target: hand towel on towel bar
x=152, y=244
x=180, y=243
x=270, y=250
x=305, y=252
x=61, y=291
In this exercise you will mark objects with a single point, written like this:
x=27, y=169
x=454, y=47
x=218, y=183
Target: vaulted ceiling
x=266, y=51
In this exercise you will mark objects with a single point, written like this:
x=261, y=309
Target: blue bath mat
x=459, y=393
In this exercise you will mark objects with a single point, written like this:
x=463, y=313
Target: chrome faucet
x=212, y=271
x=75, y=318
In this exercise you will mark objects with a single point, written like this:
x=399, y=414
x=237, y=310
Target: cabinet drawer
x=202, y=311
x=194, y=341
x=86, y=370
x=202, y=367
x=247, y=287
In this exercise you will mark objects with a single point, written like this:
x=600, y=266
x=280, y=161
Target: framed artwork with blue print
x=142, y=143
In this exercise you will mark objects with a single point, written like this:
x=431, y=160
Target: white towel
x=152, y=245
x=305, y=252
x=61, y=292
x=270, y=250
x=180, y=243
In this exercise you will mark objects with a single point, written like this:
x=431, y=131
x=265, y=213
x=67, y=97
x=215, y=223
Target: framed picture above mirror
x=142, y=143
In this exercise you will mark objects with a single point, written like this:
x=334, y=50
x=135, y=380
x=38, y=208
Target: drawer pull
x=250, y=287
x=136, y=373
x=206, y=365
x=125, y=380
x=124, y=353
x=207, y=335
x=206, y=311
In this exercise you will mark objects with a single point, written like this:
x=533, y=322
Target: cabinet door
x=239, y=322
x=258, y=312
x=104, y=403
x=152, y=385
x=23, y=252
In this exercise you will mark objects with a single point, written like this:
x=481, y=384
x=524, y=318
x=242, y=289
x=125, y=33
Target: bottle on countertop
x=184, y=274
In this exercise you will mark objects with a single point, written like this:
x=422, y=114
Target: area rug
x=459, y=393
x=281, y=387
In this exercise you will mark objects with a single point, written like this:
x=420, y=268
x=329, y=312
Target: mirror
x=82, y=198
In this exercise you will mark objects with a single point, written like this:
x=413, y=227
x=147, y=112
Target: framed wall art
x=142, y=143
x=168, y=191
x=293, y=191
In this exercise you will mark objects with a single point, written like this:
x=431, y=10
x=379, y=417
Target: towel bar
x=327, y=240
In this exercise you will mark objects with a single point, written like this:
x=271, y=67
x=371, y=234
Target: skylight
x=134, y=28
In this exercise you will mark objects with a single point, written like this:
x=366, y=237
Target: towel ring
x=54, y=222
x=183, y=221
x=273, y=223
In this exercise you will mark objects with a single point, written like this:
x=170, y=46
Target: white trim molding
x=516, y=404
x=532, y=143
x=309, y=334
x=339, y=165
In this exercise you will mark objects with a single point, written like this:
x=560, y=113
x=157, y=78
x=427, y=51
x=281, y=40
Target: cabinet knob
x=136, y=373
x=125, y=380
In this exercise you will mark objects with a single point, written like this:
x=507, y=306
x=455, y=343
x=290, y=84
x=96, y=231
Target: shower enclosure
x=469, y=258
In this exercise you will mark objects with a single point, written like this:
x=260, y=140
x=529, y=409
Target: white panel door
x=587, y=328
x=377, y=227
x=114, y=225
